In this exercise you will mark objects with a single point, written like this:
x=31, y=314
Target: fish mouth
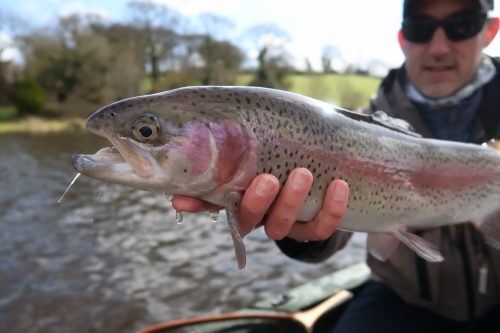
x=105, y=158
x=122, y=159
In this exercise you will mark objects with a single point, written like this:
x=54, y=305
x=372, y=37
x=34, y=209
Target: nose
x=439, y=44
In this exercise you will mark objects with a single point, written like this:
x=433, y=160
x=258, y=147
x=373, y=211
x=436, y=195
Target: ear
x=401, y=39
x=492, y=30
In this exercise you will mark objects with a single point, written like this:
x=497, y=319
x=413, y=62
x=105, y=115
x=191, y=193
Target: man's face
x=441, y=67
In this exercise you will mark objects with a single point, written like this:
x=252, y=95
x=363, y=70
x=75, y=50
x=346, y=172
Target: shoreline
x=38, y=125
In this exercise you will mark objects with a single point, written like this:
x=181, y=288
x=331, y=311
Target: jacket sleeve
x=314, y=251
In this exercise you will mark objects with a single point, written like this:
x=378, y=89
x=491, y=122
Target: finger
x=328, y=218
x=192, y=205
x=286, y=208
x=256, y=201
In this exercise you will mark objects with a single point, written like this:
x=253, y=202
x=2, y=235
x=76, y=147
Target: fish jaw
x=132, y=168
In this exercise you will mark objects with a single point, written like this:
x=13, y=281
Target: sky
x=363, y=30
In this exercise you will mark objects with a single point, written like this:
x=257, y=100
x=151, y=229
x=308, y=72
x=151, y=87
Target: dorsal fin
x=382, y=119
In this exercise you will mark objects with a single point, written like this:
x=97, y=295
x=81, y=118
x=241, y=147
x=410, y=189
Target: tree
x=274, y=64
x=221, y=58
x=30, y=97
x=71, y=60
x=157, y=37
x=330, y=53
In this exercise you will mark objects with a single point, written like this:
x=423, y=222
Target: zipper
x=469, y=284
x=484, y=266
x=423, y=275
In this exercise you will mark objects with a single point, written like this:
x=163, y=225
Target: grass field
x=348, y=91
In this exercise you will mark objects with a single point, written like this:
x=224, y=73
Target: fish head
x=174, y=142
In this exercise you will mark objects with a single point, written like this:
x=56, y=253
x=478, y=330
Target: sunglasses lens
x=465, y=26
x=458, y=27
x=419, y=29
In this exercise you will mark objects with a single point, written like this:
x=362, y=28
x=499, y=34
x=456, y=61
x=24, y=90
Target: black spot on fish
x=202, y=96
x=248, y=100
x=238, y=100
x=185, y=170
x=193, y=103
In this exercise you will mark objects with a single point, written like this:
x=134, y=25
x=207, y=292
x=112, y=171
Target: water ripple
x=134, y=265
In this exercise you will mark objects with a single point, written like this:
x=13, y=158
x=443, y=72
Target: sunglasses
x=257, y=321
x=458, y=27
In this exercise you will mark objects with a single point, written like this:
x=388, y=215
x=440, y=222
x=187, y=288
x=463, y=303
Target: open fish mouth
x=123, y=157
x=104, y=160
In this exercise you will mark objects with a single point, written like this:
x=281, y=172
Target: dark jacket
x=449, y=288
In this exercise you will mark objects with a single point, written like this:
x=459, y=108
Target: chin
x=439, y=91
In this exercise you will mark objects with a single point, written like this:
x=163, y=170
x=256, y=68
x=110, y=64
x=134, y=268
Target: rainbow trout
x=210, y=142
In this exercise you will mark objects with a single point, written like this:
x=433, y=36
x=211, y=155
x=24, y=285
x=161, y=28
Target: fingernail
x=340, y=192
x=264, y=186
x=299, y=180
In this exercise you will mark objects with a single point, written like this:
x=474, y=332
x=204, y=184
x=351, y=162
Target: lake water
x=131, y=267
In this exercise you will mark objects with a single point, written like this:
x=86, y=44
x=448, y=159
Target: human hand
x=281, y=219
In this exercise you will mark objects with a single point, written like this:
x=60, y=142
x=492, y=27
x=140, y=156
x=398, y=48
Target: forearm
x=314, y=251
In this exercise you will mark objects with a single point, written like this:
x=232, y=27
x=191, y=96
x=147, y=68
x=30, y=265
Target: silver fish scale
x=293, y=132
x=386, y=170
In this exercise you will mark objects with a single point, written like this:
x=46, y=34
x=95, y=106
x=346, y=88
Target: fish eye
x=146, y=128
x=146, y=131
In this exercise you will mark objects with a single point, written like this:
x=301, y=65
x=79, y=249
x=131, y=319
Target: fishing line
x=74, y=179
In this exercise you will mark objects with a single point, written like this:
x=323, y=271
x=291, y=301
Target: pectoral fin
x=421, y=247
x=232, y=203
x=381, y=246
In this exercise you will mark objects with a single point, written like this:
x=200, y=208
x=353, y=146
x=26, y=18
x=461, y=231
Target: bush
x=30, y=97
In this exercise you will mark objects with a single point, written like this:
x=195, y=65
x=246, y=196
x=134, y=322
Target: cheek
x=198, y=149
x=414, y=55
x=193, y=155
x=468, y=55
